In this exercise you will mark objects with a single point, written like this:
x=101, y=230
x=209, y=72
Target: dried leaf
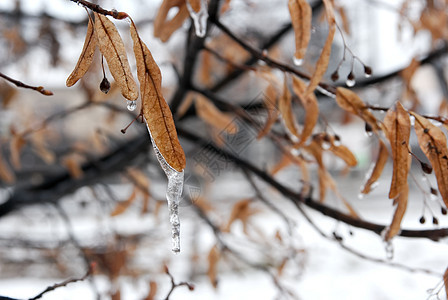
x=402, y=202
x=433, y=143
x=5, y=173
x=73, y=166
x=213, y=258
x=344, y=19
x=345, y=154
x=285, y=108
x=324, y=58
x=398, y=128
x=187, y=102
x=300, y=12
x=241, y=211
x=349, y=101
x=381, y=160
x=311, y=108
x=155, y=109
x=270, y=103
x=85, y=58
x=16, y=146
x=152, y=291
x=112, y=47
x=211, y=115
x=163, y=28
x=124, y=205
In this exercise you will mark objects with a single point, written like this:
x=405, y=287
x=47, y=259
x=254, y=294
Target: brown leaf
x=73, y=166
x=211, y=115
x=433, y=143
x=5, y=173
x=402, y=202
x=122, y=206
x=398, y=128
x=300, y=12
x=324, y=58
x=270, y=103
x=381, y=160
x=344, y=19
x=345, y=154
x=350, y=101
x=213, y=258
x=16, y=146
x=195, y=4
x=155, y=109
x=112, y=47
x=311, y=108
x=285, y=108
x=163, y=28
x=85, y=58
x=241, y=211
x=152, y=291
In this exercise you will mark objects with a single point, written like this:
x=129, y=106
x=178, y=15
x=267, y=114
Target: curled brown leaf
x=112, y=47
x=85, y=58
x=210, y=114
x=300, y=12
x=433, y=143
x=163, y=28
x=285, y=108
x=402, y=202
x=324, y=58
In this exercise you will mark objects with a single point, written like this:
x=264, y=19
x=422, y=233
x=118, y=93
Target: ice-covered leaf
x=112, y=47
x=433, y=143
x=300, y=12
x=155, y=109
x=381, y=160
x=398, y=127
x=345, y=154
x=324, y=58
x=85, y=58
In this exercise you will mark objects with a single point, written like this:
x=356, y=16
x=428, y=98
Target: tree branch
x=20, y=84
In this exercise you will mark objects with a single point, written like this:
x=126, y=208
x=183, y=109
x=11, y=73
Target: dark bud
x=327, y=138
x=191, y=287
x=434, y=191
x=426, y=168
x=351, y=76
x=368, y=129
x=337, y=236
x=426, y=130
x=335, y=75
x=337, y=138
x=422, y=220
x=105, y=85
x=443, y=211
x=367, y=70
x=435, y=221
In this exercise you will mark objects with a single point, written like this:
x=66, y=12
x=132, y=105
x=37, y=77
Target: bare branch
x=20, y=84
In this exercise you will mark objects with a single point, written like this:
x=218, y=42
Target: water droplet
x=389, y=250
x=131, y=105
x=361, y=196
x=326, y=145
x=350, y=82
x=374, y=185
x=297, y=61
x=369, y=133
x=367, y=75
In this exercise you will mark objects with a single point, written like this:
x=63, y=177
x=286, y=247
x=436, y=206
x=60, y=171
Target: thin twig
x=175, y=285
x=63, y=284
x=20, y=84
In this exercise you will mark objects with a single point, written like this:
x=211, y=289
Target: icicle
x=173, y=194
x=199, y=18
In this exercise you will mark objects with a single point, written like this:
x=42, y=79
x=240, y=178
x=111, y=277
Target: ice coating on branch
x=173, y=194
x=199, y=18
